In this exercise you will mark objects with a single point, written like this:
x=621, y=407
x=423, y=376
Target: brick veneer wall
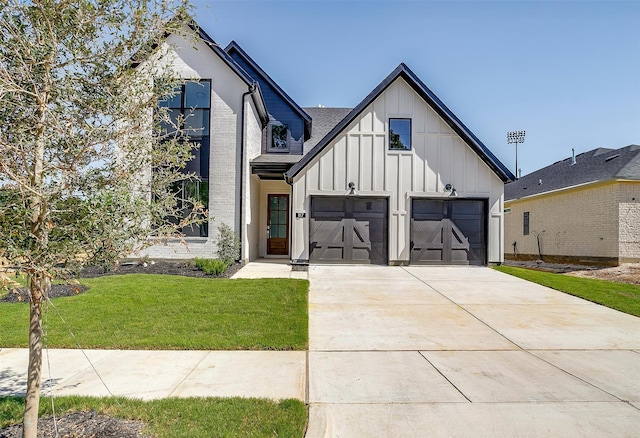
x=579, y=224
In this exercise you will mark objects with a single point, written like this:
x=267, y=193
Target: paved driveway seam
x=463, y=308
x=445, y=377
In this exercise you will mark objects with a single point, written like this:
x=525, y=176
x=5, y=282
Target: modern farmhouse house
x=584, y=209
x=398, y=179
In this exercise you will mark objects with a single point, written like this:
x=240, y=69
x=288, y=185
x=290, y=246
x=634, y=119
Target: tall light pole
x=515, y=137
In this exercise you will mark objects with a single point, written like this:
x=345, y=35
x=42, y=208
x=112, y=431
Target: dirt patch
x=625, y=273
x=81, y=425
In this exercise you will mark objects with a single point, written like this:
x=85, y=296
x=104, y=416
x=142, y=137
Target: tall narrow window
x=400, y=134
x=525, y=223
x=190, y=110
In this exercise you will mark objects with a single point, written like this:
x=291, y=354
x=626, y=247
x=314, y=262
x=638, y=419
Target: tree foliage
x=82, y=180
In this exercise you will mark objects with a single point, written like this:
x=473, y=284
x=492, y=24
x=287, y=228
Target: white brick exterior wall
x=227, y=90
x=598, y=221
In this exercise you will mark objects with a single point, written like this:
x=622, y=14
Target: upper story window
x=279, y=138
x=190, y=110
x=400, y=134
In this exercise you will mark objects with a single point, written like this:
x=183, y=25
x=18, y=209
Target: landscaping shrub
x=212, y=266
x=228, y=244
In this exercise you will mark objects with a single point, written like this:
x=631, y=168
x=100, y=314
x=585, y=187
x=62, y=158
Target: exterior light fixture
x=450, y=188
x=516, y=137
x=352, y=189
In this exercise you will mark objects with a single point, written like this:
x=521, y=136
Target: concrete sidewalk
x=465, y=352
x=159, y=374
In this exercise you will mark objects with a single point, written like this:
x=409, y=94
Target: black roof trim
x=434, y=102
x=235, y=47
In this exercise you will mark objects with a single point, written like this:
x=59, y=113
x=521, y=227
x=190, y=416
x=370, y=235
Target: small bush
x=212, y=266
x=228, y=244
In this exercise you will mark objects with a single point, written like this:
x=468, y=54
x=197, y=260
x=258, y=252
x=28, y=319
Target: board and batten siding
x=360, y=154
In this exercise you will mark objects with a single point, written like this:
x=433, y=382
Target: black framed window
x=400, y=134
x=190, y=110
x=525, y=223
x=279, y=138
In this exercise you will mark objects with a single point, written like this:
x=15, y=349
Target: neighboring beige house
x=399, y=179
x=583, y=210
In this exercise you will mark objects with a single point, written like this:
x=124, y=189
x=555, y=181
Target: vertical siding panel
x=340, y=164
x=366, y=164
x=392, y=100
x=458, y=164
x=326, y=170
x=379, y=171
x=419, y=159
x=433, y=122
x=379, y=114
x=392, y=181
x=406, y=96
x=431, y=164
x=406, y=174
x=313, y=177
x=366, y=123
x=353, y=161
x=471, y=171
x=484, y=179
x=444, y=166
x=418, y=124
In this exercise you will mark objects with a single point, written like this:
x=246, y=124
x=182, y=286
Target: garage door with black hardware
x=450, y=231
x=348, y=230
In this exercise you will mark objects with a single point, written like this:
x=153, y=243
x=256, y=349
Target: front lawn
x=177, y=418
x=141, y=311
x=619, y=296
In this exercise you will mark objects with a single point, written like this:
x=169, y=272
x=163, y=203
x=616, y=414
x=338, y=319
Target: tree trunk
x=38, y=289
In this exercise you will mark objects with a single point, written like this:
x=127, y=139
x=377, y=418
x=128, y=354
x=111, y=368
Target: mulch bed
x=182, y=268
x=88, y=424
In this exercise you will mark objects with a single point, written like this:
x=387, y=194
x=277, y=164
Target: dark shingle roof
x=404, y=72
x=599, y=164
x=324, y=120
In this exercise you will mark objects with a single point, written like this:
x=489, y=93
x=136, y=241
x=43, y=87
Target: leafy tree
x=82, y=180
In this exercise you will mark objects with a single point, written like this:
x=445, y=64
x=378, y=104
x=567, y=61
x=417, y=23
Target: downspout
x=242, y=197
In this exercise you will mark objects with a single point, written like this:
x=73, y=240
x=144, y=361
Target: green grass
x=140, y=311
x=176, y=418
x=619, y=296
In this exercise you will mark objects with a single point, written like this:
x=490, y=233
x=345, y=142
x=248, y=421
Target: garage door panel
x=448, y=231
x=348, y=230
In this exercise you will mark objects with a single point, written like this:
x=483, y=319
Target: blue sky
x=567, y=72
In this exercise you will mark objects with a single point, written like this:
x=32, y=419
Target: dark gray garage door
x=348, y=230
x=451, y=231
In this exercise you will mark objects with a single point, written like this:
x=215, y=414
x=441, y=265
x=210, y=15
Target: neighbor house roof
x=402, y=71
x=235, y=47
x=599, y=164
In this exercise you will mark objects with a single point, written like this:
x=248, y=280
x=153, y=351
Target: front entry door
x=278, y=225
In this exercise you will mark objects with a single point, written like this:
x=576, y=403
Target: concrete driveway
x=465, y=351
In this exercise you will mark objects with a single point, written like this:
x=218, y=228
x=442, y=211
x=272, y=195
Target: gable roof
x=402, y=71
x=234, y=47
x=599, y=164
